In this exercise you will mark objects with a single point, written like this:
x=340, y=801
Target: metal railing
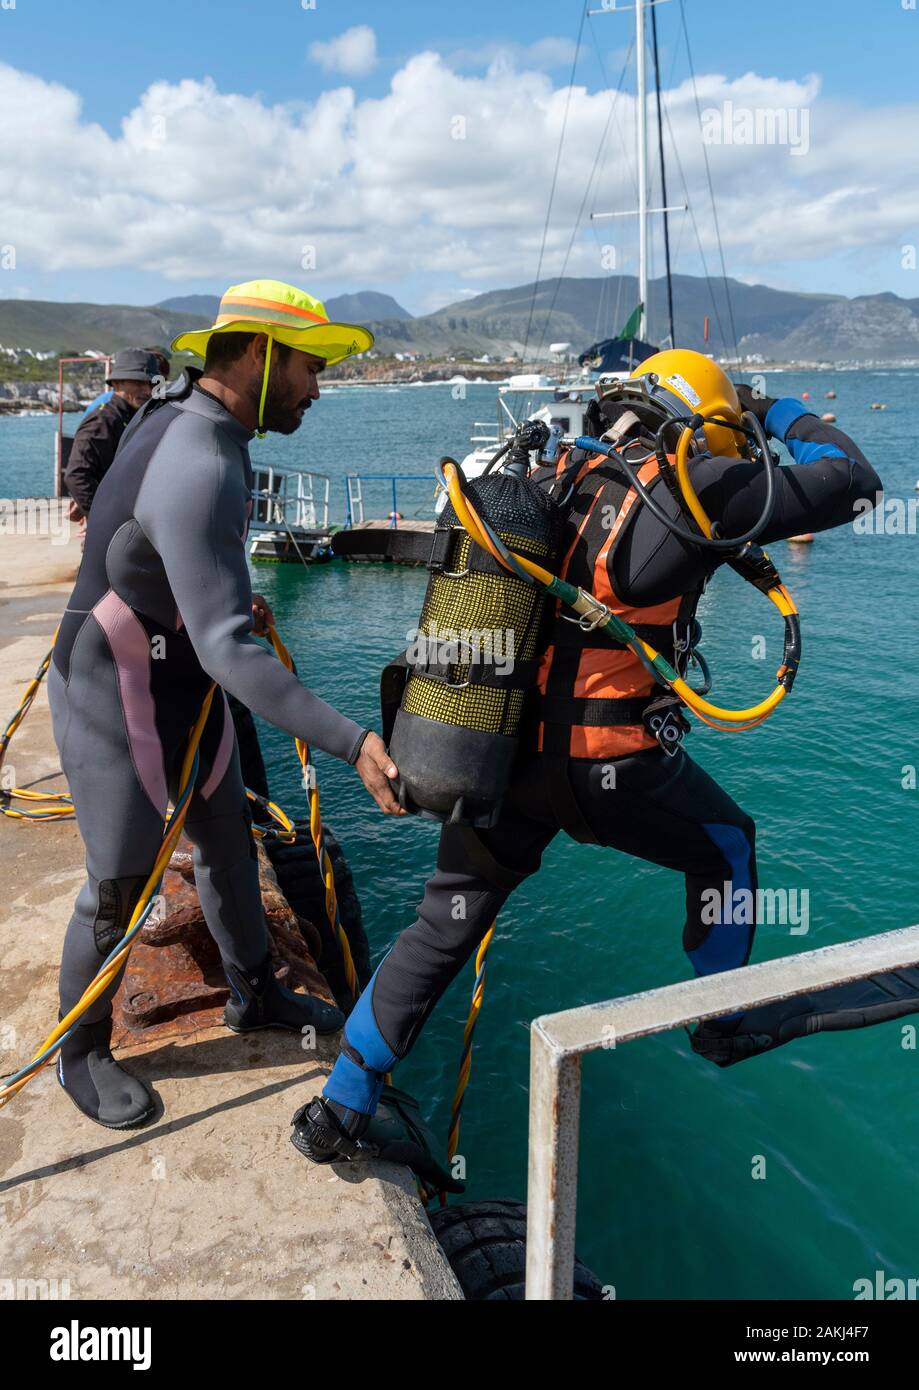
x=558, y=1041
x=355, y=485
x=63, y=443
x=288, y=500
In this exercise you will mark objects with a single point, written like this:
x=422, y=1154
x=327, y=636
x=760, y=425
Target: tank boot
x=325, y=1131
x=258, y=1001
x=97, y=1085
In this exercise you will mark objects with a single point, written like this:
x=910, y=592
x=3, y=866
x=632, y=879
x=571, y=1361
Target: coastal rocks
x=20, y=396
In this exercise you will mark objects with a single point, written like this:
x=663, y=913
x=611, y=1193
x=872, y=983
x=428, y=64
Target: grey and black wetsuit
x=162, y=607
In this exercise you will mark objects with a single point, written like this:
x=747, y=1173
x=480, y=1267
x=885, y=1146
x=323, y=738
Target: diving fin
x=857, y=1004
x=397, y=1133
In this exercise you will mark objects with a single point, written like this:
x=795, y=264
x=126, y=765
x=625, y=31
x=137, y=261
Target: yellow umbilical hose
x=462, y=1082
x=316, y=832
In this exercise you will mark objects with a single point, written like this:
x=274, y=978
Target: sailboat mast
x=642, y=124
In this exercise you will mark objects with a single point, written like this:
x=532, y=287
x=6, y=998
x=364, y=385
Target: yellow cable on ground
x=57, y=805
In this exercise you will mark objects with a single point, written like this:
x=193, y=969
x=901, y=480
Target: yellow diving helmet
x=697, y=386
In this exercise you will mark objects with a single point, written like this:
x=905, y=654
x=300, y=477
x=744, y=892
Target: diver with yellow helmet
x=600, y=752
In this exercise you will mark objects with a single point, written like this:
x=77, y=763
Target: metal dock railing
x=389, y=483
x=558, y=1041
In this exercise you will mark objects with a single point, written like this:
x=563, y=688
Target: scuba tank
x=476, y=650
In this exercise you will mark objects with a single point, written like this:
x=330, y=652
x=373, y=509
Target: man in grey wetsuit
x=161, y=609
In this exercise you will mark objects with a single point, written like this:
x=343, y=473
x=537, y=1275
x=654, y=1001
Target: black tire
x=298, y=874
x=485, y=1243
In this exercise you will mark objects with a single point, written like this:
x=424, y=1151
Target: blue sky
x=864, y=52
x=860, y=47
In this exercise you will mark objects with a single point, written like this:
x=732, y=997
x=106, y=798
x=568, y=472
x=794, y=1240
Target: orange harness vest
x=592, y=692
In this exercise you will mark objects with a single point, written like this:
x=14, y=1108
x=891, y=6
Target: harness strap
x=565, y=710
x=520, y=677
x=564, y=803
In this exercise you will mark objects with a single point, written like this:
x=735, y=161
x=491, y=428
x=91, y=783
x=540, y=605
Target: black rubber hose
x=696, y=537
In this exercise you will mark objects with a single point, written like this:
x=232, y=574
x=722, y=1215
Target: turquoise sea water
x=668, y=1205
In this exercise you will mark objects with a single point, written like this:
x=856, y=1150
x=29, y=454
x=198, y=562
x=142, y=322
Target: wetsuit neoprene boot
x=97, y=1085
x=258, y=1001
x=326, y=1132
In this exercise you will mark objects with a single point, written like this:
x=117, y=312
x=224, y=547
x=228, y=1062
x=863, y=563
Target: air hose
x=311, y=787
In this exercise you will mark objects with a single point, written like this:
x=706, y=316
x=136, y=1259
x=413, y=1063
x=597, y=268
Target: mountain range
x=776, y=325
x=349, y=308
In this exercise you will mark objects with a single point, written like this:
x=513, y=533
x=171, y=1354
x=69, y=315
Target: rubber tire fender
x=485, y=1244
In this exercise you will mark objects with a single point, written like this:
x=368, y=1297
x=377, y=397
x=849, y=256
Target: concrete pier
x=211, y=1201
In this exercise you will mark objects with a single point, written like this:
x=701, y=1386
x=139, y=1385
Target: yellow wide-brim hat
x=289, y=315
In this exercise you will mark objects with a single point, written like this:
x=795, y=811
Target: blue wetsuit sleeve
x=805, y=437
x=193, y=508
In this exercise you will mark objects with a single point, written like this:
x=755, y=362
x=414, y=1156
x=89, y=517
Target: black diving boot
x=325, y=1132
x=97, y=1085
x=258, y=1001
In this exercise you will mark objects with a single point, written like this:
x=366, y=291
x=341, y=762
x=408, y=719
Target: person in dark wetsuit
x=590, y=766
x=161, y=609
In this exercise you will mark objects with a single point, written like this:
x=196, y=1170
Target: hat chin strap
x=260, y=428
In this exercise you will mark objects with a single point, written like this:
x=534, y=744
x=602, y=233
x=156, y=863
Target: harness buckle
x=663, y=719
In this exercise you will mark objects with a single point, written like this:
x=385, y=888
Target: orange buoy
x=804, y=539
x=805, y=395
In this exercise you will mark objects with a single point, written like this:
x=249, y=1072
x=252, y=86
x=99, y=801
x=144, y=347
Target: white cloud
x=353, y=53
x=543, y=53
x=447, y=175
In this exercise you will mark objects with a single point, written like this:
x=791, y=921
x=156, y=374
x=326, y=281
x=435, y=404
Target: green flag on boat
x=633, y=325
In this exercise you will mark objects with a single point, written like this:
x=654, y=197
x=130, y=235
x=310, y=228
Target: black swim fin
x=858, y=1004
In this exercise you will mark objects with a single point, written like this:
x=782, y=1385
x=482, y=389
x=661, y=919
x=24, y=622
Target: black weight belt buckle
x=663, y=720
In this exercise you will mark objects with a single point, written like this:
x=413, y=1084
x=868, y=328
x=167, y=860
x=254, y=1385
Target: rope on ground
x=51, y=805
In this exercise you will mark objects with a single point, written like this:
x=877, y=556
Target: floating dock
x=407, y=543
